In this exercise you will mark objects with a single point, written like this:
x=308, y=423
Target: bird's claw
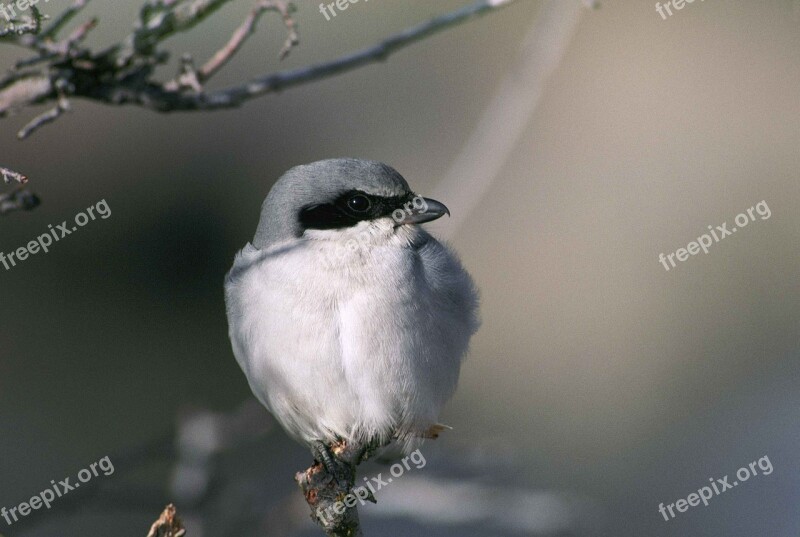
x=332, y=465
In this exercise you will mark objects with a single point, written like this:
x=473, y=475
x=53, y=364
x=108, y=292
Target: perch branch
x=327, y=494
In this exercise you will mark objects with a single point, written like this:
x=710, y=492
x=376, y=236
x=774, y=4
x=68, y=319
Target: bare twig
x=292, y=39
x=235, y=96
x=19, y=199
x=159, y=20
x=62, y=20
x=247, y=29
x=168, y=524
x=194, y=79
x=76, y=37
x=29, y=25
x=12, y=176
x=123, y=74
x=48, y=117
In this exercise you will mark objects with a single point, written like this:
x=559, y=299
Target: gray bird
x=349, y=320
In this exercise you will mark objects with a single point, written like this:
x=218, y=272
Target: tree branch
x=168, y=524
x=19, y=199
x=123, y=74
x=235, y=96
x=62, y=20
x=194, y=79
x=50, y=116
x=31, y=24
x=12, y=176
x=330, y=495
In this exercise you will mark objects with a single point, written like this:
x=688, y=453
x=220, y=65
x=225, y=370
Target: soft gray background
x=596, y=376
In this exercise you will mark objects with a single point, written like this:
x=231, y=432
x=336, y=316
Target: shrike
x=348, y=319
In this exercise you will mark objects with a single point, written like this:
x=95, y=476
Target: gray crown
x=317, y=183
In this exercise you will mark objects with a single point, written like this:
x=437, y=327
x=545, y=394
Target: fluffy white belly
x=352, y=343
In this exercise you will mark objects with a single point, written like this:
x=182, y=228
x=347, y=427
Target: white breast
x=352, y=334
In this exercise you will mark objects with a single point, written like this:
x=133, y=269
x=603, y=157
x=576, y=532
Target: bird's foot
x=336, y=468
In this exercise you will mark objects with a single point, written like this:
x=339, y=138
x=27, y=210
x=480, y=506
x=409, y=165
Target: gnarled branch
x=61, y=69
x=123, y=74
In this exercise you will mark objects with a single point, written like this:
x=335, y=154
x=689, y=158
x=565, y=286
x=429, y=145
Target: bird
x=348, y=319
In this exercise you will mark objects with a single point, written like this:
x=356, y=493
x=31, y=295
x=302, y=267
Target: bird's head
x=339, y=195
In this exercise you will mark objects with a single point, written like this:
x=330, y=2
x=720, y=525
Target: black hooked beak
x=421, y=210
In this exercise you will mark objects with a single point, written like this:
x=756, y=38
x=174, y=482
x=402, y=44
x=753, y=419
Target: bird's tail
x=403, y=444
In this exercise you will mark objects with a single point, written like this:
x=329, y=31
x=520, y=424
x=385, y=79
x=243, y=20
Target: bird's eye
x=359, y=203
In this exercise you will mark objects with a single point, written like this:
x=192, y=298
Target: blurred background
x=599, y=386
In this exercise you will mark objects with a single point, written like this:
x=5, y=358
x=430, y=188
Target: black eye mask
x=349, y=209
